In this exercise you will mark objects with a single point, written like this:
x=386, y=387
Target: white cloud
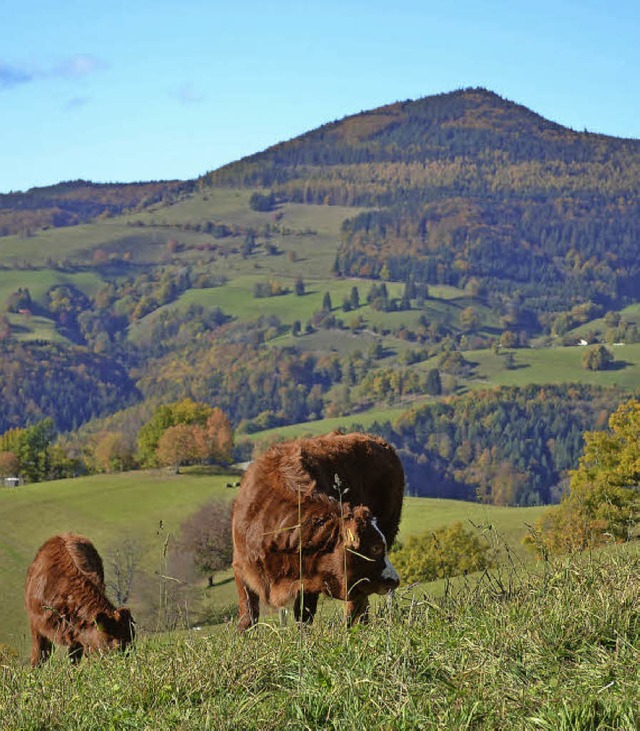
x=73, y=67
x=82, y=64
x=186, y=94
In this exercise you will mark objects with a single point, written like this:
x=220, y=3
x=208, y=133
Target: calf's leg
x=248, y=603
x=305, y=606
x=40, y=648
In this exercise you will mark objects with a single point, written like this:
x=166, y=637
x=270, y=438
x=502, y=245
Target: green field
x=39, y=281
x=110, y=509
x=555, y=365
x=236, y=299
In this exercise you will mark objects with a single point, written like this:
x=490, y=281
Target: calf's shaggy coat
x=66, y=602
x=317, y=516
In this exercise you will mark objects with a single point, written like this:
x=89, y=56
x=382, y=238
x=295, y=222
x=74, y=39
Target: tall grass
x=556, y=648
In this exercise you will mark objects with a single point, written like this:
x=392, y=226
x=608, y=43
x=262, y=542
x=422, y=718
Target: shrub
x=260, y=202
x=447, y=551
x=597, y=359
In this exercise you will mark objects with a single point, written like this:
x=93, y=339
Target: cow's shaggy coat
x=330, y=505
x=66, y=602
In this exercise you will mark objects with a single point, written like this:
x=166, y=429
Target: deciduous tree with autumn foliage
x=186, y=432
x=603, y=503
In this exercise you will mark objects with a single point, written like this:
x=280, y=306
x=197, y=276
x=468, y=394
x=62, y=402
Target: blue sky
x=141, y=90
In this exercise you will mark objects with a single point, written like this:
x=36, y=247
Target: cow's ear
x=352, y=533
x=123, y=614
x=350, y=538
x=355, y=525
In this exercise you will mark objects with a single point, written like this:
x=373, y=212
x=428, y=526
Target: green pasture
x=148, y=508
x=631, y=314
x=599, y=327
x=139, y=245
x=39, y=281
x=231, y=206
x=210, y=205
x=555, y=365
x=34, y=327
x=309, y=231
x=236, y=299
x=501, y=526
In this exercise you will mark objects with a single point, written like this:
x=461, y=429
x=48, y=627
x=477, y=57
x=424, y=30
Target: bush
x=263, y=203
x=447, y=551
x=597, y=359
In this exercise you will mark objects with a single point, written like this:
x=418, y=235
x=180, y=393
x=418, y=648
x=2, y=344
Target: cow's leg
x=248, y=603
x=357, y=611
x=309, y=604
x=75, y=652
x=40, y=648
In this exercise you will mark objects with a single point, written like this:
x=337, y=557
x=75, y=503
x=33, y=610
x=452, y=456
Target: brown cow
x=66, y=602
x=329, y=504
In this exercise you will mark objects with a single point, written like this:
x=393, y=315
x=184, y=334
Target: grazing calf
x=327, y=506
x=66, y=602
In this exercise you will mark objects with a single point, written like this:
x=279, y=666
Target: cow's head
x=113, y=630
x=368, y=568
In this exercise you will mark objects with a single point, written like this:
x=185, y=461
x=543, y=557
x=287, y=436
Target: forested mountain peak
x=467, y=122
x=469, y=187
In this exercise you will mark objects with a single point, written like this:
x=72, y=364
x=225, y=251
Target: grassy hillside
x=111, y=509
x=552, y=650
x=556, y=365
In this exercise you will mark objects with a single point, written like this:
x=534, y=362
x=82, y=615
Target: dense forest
x=510, y=446
x=69, y=385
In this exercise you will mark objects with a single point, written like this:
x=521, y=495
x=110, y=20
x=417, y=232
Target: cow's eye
x=377, y=550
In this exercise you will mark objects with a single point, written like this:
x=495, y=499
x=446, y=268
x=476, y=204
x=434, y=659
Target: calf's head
x=111, y=631
x=368, y=569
